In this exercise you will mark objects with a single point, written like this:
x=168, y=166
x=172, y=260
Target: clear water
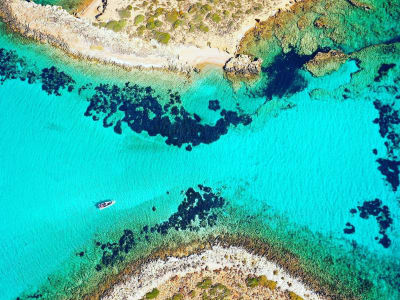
x=304, y=167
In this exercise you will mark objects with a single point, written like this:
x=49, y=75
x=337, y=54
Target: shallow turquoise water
x=309, y=165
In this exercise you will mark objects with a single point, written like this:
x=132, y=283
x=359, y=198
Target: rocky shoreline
x=164, y=274
x=79, y=38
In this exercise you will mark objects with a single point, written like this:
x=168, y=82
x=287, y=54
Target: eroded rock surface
x=243, y=65
x=326, y=63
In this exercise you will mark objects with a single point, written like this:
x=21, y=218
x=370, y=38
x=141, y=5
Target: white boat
x=104, y=204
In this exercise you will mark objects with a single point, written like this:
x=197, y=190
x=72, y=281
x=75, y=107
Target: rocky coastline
x=163, y=275
x=79, y=38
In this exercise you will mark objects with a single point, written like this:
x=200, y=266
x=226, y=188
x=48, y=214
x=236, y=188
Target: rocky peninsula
x=222, y=272
x=93, y=33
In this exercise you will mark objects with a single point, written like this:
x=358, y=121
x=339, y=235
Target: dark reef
x=283, y=75
x=349, y=228
x=383, y=70
x=54, y=80
x=214, y=105
x=387, y=121
x=197, y=210
x=143, y=112
x=381, y=213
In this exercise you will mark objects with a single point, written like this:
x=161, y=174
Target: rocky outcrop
x=243, y=65
x=326, y=63
x=361, y=4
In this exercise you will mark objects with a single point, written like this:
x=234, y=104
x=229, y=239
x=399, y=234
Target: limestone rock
x=326, y=63
x=243, y=65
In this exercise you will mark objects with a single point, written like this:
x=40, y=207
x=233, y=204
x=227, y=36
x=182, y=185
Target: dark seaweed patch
x=214, y=105
x=388, y=117
x=390, y=169
x=14, y=67
x=349, y=228
x=11, y=65
x=115, y=252
x=195, y=211
x=36, y=295
x=54, y=80
x=142, y=111
x=388, y=120
x=383, y=70
x=283, y=75
x=382, y=216
x=197, y=205
x=80, y=254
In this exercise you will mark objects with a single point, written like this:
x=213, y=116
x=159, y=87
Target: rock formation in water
x=243, y=65
x=326, y=63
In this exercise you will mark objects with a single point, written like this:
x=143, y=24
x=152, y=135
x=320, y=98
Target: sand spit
x=80, y=38
x=228, y=266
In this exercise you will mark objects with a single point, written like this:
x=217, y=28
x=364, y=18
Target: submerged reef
x=12, y=66
x=381, y=213
x=142, y=110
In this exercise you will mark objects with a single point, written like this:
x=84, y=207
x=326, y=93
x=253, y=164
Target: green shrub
x=153, y=294
x=129, y=7
x=206, y=8
x=204, y=28
x=177, y=297
x=252, y=282
x=150, y=20
x=159, y=11
x=220, y=291
x=138, y=19
x=158, y=23
x=177, y=23
x=116, y=25
x=140, y=30
x=263, y=281
x=125, y=13
x=191, y=28
x=294, y=296
x=216, y=18
x=198, y=18
x=192, y=9
x=205, y=284
x=150, y=25
x=226, y=13
x=162, y=37
x=192, y=294
x=172, y=16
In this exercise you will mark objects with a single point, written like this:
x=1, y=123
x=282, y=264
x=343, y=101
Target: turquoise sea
x=308, y=163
